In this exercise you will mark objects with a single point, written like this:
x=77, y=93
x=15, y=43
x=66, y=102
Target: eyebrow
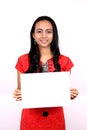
x=42, y=29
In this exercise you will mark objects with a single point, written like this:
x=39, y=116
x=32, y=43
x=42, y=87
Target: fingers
x=17, y=95
x=73, y=93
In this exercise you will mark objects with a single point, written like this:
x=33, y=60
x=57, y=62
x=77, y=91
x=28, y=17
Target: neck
x=45, y=54
x=45, y=51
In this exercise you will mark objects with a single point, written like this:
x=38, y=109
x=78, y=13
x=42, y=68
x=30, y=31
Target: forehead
x=44, y=24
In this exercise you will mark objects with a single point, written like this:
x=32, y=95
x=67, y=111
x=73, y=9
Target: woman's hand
x=17, y=94
x=73, y=93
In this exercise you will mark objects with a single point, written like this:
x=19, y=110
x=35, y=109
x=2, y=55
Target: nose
x=44, y=34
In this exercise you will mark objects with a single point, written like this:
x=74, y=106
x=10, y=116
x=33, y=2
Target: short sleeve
x=22, y=63
x=65, y=63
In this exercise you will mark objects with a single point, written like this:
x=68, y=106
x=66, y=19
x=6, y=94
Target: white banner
x=45, y=89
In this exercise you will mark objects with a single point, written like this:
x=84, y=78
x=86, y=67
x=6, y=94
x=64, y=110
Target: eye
x=39, y=31
x=49, y=31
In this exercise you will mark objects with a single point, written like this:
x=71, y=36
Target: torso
x=51, y=118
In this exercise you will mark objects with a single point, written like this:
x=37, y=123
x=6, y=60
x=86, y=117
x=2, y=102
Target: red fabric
x=64, y=61
x=32, y=119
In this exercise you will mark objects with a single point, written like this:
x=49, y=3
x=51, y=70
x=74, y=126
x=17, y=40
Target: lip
x=43, y=41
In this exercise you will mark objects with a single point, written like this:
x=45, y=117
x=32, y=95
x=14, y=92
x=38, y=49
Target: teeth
x=43, y=40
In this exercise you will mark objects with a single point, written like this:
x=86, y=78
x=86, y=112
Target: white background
x=16, y=18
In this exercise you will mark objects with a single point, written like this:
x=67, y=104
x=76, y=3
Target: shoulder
x=65, y=62
x=63, y=56
x=23, y=62
x=24, y=56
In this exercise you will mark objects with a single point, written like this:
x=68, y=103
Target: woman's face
x=43, y=33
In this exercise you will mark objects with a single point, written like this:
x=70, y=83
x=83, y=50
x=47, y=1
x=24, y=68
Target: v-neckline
x=46, y=61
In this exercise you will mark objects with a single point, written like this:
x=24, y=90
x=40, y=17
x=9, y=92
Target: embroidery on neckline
x=45, y=67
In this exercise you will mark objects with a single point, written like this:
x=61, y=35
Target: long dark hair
x=34, y=53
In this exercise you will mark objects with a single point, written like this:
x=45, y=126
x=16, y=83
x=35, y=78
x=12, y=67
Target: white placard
x=45, y=89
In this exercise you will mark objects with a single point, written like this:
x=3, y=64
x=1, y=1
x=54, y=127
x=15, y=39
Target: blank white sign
x=45, y=89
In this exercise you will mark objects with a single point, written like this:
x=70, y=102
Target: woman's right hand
x=17, y=94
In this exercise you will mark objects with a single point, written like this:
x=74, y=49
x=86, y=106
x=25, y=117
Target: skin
x=43, y=36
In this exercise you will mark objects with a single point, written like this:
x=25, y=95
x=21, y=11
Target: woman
x=44, y=56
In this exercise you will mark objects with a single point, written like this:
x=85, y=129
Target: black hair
x=34, y=53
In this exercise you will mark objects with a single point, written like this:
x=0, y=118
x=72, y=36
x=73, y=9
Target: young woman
x=44, y=56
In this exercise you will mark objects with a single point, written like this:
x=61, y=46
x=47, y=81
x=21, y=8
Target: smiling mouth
x=43, y=41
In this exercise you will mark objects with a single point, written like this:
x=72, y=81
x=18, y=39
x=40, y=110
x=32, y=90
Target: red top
x=51, y=118
x=64, y=61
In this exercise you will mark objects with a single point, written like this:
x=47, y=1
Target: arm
x=17, y=92
x=73, y=92
x=18, y=80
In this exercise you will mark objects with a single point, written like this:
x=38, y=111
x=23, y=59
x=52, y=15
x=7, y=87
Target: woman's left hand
x=73, y=93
